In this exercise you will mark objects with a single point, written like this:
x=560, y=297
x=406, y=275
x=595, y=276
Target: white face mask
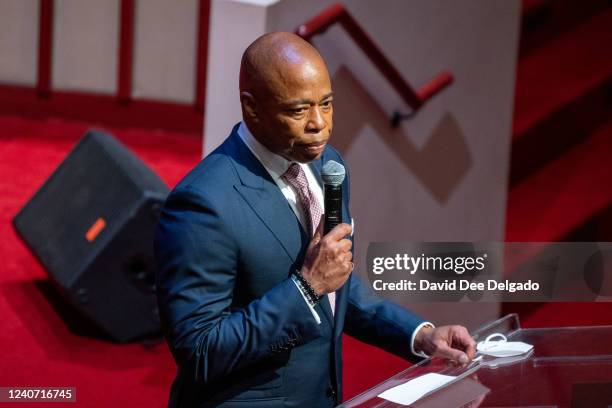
x=502, y=347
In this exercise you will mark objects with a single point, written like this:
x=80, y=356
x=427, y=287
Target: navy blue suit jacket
x=237, y=326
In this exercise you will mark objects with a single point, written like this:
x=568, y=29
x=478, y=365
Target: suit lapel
x=315, y=166
x=263, y=195
x=341, y=295
x=340, y=309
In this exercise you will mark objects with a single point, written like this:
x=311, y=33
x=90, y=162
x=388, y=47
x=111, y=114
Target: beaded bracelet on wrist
x=310, y=293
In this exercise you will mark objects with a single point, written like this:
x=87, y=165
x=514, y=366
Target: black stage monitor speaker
x=91, y=225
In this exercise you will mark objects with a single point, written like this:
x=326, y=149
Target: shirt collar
x=276, y=164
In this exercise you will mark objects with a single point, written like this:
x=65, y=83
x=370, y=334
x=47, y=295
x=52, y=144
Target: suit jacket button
x=331, y=393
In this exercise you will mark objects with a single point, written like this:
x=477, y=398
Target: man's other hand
x=451, y=342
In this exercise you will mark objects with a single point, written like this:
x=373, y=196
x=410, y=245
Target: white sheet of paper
x=416, y=388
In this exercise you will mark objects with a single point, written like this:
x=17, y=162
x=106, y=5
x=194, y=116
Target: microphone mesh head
x=333, y=173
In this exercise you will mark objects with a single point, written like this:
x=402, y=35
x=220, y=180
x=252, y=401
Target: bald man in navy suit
x=253, y=297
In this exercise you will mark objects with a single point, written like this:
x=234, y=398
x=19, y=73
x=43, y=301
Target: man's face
x=295, y=120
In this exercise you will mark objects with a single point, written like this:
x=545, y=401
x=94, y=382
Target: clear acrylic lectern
x=568, y=367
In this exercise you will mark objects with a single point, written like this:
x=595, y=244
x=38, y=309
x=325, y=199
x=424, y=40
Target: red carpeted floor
x=38, y=347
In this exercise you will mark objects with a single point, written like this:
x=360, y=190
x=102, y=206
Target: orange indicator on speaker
x=95, y=229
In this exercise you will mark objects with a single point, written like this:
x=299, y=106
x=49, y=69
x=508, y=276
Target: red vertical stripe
x=126, y=51
x=45, y=43
x=202, y=57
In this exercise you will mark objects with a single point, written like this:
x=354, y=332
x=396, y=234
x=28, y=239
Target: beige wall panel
x=18, y=42
x=165, y=50
x=85, y=45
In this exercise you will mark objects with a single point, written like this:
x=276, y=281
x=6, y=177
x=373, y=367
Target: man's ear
x=248, y=105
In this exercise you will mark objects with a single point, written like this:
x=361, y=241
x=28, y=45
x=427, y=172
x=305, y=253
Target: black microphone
x=333, y=174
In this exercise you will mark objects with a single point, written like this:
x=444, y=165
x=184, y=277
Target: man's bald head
x=271, y=57
x=286, y=97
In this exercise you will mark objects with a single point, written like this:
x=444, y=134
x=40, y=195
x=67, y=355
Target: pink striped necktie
x=310, y=206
